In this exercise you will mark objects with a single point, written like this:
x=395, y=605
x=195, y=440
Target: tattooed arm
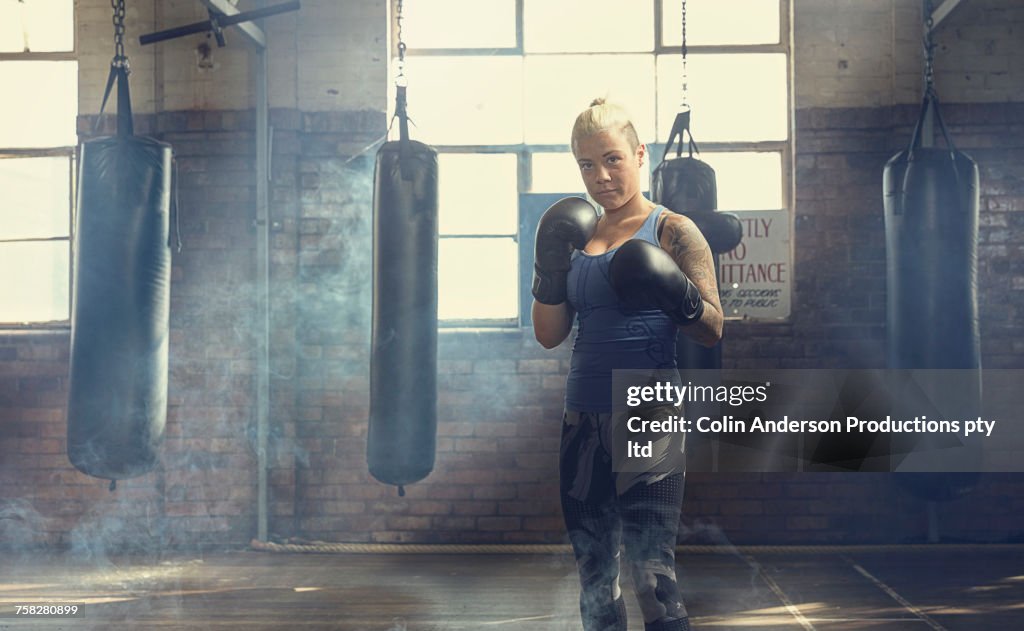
x=684, y=242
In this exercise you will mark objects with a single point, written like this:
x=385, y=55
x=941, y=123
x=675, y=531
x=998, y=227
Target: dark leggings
x=645, y=520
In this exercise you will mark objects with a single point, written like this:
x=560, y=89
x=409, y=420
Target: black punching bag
x=931, y=233
x=403, y=366
x=117, y=401
x=688, y=186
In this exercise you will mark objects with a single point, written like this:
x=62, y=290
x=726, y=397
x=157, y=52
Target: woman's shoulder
x=668, y=217
x=674, y=228
x=671, y=217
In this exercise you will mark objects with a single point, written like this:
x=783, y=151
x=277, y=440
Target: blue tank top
x=608, y=338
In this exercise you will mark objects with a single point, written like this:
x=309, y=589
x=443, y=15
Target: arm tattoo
x=688, y=256
x=695, y=259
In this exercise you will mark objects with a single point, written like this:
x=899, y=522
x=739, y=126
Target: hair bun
x=602, y=116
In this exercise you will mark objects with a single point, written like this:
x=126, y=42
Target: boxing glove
x=567, y=225
x=645, y=277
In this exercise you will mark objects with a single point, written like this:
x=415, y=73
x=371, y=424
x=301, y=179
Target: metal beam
x=263, y=283
x=218, y=21
x=252, y=32
x=941, y=11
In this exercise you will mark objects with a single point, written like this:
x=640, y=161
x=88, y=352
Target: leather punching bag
x=931, y=230
x=117, y=401
x=688, y=186
x=402, y=437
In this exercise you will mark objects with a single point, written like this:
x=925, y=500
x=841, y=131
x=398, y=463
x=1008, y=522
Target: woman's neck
x=637, y=206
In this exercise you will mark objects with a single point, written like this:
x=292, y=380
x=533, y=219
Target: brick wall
x=868, y=53
x=500, y=392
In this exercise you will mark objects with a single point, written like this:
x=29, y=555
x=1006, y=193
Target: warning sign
x=755, y=279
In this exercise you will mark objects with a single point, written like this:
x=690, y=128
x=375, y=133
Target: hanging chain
x=400, y=79
x=684, y=104
x=929, y=48
x=120, y=59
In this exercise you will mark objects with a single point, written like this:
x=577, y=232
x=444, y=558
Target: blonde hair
x=604, y=116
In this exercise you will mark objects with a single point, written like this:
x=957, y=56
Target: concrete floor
x=881, y=590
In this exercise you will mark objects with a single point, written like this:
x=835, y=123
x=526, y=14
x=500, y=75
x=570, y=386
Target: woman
x=628, y=315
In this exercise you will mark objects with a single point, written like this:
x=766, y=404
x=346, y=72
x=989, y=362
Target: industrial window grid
x=69, y=152
x=525, y=151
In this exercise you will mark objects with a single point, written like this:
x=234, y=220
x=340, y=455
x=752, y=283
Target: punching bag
x=931, y=233
x=402, y=434
x=688, y=186
x=117, y=401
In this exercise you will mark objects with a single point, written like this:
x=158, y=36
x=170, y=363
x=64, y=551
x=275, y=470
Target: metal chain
x=929, y=48
x=400, y=79
x=120, y=59
x=684, y=104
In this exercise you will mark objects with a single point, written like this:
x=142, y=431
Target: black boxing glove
x=645, y=277
x=567, y=225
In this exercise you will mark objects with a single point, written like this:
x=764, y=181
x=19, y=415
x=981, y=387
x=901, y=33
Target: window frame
x=524, y=151
x=69, y=152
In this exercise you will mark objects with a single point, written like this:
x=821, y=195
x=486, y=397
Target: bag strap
x=124, y=101
x=174, y=218
x=931, y=101
x=680, y=126
x=404, y=142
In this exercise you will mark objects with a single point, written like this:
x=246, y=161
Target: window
x=477, y=223
x=494, y=86
x=37, y=139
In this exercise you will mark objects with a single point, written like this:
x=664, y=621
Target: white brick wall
x=979, y=52
x=342, y=49
x=864, y=53
x=844, y=52
x=95, y=39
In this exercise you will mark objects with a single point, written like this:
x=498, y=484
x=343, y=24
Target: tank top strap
x=649, y=230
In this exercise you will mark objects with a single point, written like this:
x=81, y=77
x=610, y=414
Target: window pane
x=559, y=87
x=718, y=22
x=479, y=193
x=34, y=281
x=36, y=198
x=47, y=119
x=577, y=26
x=459, y=24
x=555, y=173
x=477, y=278
x=36, y=26
x=733, y=97
x=465, y=100
x=747, y=181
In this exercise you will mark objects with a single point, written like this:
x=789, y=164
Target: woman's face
x=610, y=168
